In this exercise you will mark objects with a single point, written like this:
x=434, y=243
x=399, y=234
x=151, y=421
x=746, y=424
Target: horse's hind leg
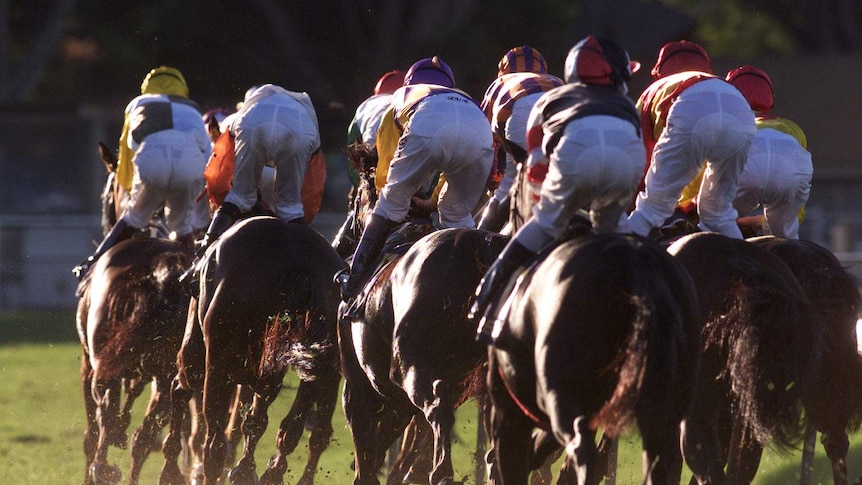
x=510, y=430
x=319, y=397
x=440, y=412
x=837, y=445
x=414, y=456
x=253, y=427
x=133, y=388
x=216, y=403
x=157, y=415
x=107, y=396
x=172, y=445
x=661, y=450
x=743, y=455
x=91, y=434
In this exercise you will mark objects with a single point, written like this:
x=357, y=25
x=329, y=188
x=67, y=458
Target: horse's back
x=258, y=258
x=433, y=284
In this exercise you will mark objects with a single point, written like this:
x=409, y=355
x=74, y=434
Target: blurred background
x=68, y=68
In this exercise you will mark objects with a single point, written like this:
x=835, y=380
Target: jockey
x=363, y=129
x=274, y=127
x=162, y=154
x=430, y=127
x=522, y=79
x=712, y=124
x=585, y=151
x=777, y=175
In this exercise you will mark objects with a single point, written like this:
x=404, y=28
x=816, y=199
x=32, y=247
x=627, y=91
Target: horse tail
x=657, y=359
x=298, y=335
x=125, y=312
x=835, y=295
x=768, y=336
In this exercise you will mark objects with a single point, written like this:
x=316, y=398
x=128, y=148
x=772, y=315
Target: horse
x=601, y=330
x=266, y=303
x=762, y=349
x=411, y=358
x=129, y=319
x=834, y=405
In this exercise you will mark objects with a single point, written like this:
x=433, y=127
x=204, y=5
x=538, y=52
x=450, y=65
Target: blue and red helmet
x=595, y=60
x=430, y=71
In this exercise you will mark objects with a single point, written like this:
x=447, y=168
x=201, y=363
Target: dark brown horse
x=414, y=352
x=130, y=322
x=762, y=351
x=267, y=303
x=412, y=358
x=601, y=332
x=834, y=405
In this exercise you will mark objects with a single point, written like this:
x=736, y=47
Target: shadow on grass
x=789, y=473
x=50, y=326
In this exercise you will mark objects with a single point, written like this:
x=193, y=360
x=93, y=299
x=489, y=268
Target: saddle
x=397, y=243
x=502, y=334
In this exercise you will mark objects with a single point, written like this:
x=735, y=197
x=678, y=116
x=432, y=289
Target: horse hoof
x=196, y=476
x=242, y=476
x=104, y=474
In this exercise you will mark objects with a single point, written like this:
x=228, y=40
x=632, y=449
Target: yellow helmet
x=165, y=80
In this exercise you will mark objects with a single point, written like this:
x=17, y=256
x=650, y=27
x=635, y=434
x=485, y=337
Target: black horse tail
x=660, y=358
x=298, y=335
x=769, y=336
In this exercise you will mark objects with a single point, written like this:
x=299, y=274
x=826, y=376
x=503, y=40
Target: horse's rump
x=612, y=317
x=834, y=295
x=135, y=302
x=760, y=333
x=277, y=276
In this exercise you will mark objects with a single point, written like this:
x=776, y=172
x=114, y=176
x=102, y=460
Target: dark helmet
x=522, y=59
x=430, y=71
x=389, y=82
x=595, y=60
x=755, y=85
x=680, y=56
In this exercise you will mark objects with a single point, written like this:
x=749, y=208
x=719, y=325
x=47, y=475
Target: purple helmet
x=430, y=71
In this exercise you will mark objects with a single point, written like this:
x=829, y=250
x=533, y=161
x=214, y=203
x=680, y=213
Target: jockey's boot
x=343, y=243
x=488, y=293
x=367, y=252
x=224, y=217
x=187, y=241
x=495, y=215
x=121, y=231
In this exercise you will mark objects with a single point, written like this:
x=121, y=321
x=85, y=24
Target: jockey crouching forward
x=438, y=129
x=585, y=151
x=690, y=117
x=522, y=78
x=163, y=150
x=275, y=127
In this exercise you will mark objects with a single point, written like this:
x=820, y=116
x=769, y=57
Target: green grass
x=43, y=420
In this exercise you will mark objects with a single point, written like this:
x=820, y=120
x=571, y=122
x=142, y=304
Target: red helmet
x=755, y=85
x=595, y=60
x=679, y=56
x=430, y=71
x=389, y=82
x=522, y=59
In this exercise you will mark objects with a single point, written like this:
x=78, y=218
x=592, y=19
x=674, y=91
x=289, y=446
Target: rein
x=540, y=423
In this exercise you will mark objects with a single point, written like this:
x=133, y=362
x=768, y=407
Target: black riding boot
x=370, y=245
x=224, y=217
x=120, y=232
x=487, y=294
x=494, y=215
